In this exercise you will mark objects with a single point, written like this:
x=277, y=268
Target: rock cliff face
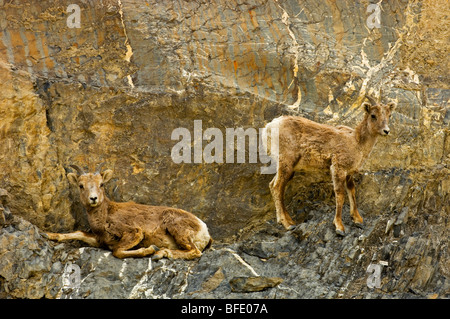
x=115, y=89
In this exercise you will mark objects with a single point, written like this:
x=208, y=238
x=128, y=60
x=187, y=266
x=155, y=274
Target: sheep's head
x=378, y=115
x=92, y=192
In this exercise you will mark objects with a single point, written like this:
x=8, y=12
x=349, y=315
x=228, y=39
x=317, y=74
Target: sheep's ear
x=367, y=106
x=106, y=175
x=73, y=178
x=392, y=105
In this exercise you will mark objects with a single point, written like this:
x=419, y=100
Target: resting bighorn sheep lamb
x=305, y=145
x=135, y=230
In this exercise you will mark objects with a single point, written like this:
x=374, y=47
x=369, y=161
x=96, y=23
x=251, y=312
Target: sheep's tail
x=269, y=133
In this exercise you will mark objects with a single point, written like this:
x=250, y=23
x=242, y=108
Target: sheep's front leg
x=351, y=192
x=339, y=191
x=88, y=238
x=277, y=187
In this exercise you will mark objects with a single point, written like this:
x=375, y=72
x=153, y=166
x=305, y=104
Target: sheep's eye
x=101, y=185
x=81, y=186
x=373, y=116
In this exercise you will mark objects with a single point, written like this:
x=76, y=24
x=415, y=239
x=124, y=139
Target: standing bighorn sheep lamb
x=134, y=230
x=305, y=145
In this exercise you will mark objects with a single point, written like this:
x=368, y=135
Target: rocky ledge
x=114, y=88
x=310, y=261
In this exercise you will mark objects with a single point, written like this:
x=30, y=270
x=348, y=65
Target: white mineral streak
x=295, y=48
x=127, y=43
x=242, y=261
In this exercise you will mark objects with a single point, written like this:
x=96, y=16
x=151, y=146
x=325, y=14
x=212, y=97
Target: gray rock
x=252, y=284
x=33, y=267
x=118, y=93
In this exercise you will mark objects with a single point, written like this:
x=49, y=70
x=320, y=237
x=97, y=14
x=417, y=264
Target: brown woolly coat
x=161, y=225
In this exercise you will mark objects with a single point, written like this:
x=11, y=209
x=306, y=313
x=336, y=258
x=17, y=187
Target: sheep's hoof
x=156, y=257
x=359, y=225
x=290, y=228
x=340, y=232
x=51, y=236
x=156, y=248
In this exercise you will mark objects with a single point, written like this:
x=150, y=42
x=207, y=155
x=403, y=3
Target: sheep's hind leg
x=339, y=191
x=178, y=254
x=351, y=192
x=184, y=240
x=141, y=252
x=130, y=240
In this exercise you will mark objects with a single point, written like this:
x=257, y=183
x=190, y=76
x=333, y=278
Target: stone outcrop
x=308, y=262
x=114, y=90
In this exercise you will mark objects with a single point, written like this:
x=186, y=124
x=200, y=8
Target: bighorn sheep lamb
x=304, y=145
x=135, y=230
